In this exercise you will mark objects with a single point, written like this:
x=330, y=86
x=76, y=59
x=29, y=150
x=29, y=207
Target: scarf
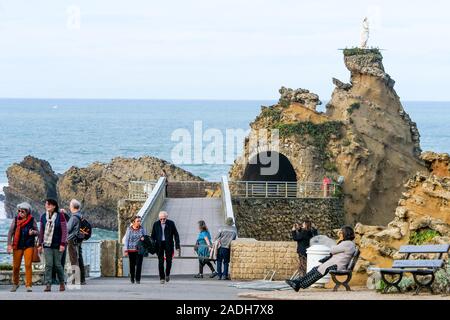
x=20, y=223
x=49, y=228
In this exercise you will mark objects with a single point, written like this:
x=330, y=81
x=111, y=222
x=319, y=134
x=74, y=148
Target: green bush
x=5, y=266
x=284, y=103
x=320, y=133
x=345, y=142
x=353, y=107
x=355, y=51
x=406, y=284
x=330, y=166
x=442, y=282
x=422, y=236
x=271, y=112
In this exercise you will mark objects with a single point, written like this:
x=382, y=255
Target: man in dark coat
x=165, y=234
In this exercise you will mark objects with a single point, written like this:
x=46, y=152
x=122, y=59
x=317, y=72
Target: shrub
x=320, y=133
x=442, y=282
x=330, y=166
x=270, y=112
x=406, y=284
x=353, y=107
x=6, y=266
x=422, y=236
x=355, y=51
x=284, y=103
x=345, y=142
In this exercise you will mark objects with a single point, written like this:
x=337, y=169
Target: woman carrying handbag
x=21, y=243
x=203, y=247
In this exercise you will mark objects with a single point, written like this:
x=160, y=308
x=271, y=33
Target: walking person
x=53, y=241
x=134, y=234
x=64, y=253
x=340, y=257
x=303, y=234
x=204, y=246
x=73, y=242
x=165, y=234
x=21, y=241
x=226, y=234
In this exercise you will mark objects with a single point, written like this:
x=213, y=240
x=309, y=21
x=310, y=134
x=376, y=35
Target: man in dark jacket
x=164, y=232
x=303, y=234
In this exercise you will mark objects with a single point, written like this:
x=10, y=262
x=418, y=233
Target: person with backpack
x=74, y=239
x=133, y=250
x=53, y=241
x=21, y=242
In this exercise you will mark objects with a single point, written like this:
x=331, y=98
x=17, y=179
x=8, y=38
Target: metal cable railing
x=282, y=189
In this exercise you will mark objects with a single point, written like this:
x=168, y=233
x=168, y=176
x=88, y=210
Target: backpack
x=85, y=231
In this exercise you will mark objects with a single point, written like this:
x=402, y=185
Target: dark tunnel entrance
x=255, y=168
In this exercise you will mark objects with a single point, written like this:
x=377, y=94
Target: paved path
x=179, y=288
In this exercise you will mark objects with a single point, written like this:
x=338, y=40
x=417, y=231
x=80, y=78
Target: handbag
x=36, y=258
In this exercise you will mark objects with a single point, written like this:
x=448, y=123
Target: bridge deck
x=186, y=212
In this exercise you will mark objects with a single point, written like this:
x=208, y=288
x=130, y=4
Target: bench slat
x=418, y=263
x=431, y=248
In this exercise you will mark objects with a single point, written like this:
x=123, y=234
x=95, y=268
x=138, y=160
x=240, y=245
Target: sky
x=214, y=49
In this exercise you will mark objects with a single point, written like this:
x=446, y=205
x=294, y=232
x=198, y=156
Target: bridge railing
x=150, y=209
x=140, y=190
x=227, y=204
x=282, y=189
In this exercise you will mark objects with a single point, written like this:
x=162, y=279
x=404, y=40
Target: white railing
x=282, y=189
x=140, y=190
x=227, y=205
x=150, y=209
x=90, y=249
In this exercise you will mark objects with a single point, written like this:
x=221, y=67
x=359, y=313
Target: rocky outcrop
x=101, y=185
x=365, y=136
x=303, y=96
x=421, y=217
x=31, y=180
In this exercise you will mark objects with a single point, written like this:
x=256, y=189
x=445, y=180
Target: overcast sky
x=214, y=49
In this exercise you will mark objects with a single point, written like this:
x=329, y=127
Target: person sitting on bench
x=340, y=256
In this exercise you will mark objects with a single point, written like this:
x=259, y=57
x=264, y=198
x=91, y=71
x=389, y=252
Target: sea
x=76, y=132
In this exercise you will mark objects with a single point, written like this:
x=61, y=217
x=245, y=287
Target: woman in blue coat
x=204, y=244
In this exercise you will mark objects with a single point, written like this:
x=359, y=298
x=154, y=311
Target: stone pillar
x=126, y=209
x=109, y=254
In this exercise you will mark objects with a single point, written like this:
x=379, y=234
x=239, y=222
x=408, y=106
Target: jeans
x=53, y=262
x=76, y=258
x=202, y=262
x=17, y=260
x=63, y=263
x=168, y=253
x=136, y=260
x=223, y=255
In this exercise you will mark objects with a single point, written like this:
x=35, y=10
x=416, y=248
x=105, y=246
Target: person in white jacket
x=340, y=257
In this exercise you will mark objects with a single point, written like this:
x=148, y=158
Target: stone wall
x=126, y=209
x=109, y=256
x=193, y=189
x=272, y=219
x=252, y=260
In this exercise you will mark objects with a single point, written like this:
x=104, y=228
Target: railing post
x=286, y=187
x=266, y=189
x=246, y=189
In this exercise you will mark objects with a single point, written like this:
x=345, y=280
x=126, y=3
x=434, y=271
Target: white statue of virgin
x=364, y=34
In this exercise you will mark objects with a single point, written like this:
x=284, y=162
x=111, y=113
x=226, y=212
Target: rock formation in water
x=31, y=180
x=422, y=217
x=99, y=186
x=365, y=136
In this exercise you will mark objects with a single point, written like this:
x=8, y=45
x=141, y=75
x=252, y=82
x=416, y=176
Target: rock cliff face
x=31, y=180
x=421, y=217
x=99, y=186
x=365, y=136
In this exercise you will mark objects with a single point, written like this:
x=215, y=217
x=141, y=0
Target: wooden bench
x=348, y=273
x=420, y=268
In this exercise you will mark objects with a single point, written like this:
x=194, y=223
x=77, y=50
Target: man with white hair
x=164, y=233
x=73, y=244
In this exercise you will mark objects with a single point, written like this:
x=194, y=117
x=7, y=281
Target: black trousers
x=136, y=260
x=163, y=250
x=202, y=263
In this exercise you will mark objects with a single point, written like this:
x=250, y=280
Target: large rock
x=422, y=216
x=365, y=136
x=101, y=185
x=31, y=180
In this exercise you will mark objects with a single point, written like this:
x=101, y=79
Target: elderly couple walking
x=57, y=232
x=165, y=235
